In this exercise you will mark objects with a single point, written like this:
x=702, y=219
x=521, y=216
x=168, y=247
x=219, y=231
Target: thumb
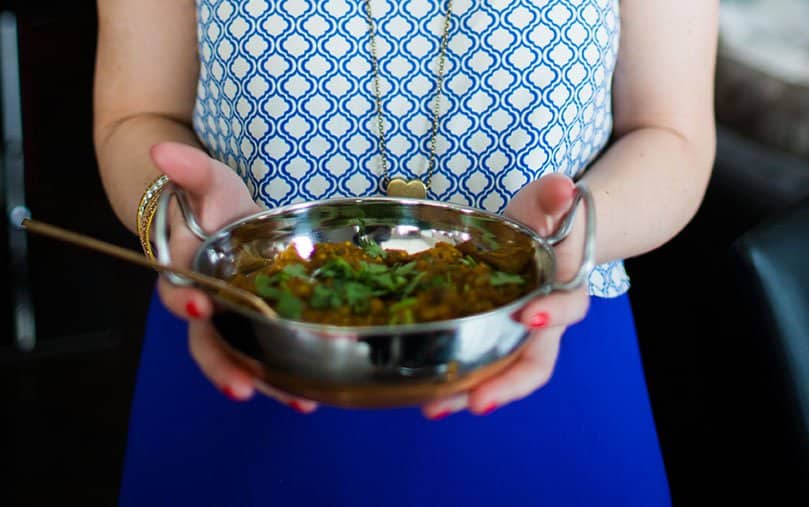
x=189, y=167
x=543, y=202
x=555, y=194
x=217, y=192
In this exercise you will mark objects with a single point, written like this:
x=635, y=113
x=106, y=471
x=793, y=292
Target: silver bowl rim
x=420, y=327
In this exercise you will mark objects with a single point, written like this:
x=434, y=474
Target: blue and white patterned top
x=285, y=96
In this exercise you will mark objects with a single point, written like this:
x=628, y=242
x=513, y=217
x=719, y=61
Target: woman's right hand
x=218, y=196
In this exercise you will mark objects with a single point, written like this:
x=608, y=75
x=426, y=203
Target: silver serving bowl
x=373, y=366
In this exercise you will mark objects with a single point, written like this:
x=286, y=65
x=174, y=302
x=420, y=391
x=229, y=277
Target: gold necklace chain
x=402, y=188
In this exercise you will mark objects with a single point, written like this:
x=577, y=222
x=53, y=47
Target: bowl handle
x=582, y=192
x=162, y=231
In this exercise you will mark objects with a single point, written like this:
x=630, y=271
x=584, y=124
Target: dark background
x=64, y=406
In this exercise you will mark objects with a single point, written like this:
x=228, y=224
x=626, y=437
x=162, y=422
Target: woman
x=274, y=102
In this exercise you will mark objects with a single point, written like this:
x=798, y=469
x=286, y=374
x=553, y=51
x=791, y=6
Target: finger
x=184, y=302
x=439, y=409
x=300, y=405
x=557, y=309
x=228, y=373
x=217, y=363
x=217, y=193
x=253, y=366
x=555, y=194
x=189, y=167
x=542, y=203
x=532, y=370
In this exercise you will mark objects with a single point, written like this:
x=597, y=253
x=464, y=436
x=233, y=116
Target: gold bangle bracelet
x=146, y=212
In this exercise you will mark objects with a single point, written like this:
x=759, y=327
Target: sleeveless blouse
x=285, y=96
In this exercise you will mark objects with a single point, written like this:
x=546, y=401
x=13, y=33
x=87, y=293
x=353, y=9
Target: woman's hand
x=541, y=205
x=218, y=196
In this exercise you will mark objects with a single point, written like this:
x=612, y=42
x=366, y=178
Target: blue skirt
x=585, y=439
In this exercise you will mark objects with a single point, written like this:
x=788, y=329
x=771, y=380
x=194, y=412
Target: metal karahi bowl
x=373, y=366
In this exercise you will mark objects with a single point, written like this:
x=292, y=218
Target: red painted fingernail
x=192, y=309
x=297, y=406
x=539, y=320
x=491, y=407
x=440, y=415
x=227, y=391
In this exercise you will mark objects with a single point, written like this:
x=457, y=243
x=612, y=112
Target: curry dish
x=348, y=285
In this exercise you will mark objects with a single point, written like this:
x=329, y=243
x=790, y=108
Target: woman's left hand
x=540, y=204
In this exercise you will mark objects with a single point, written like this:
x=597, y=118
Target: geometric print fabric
x=285, y=96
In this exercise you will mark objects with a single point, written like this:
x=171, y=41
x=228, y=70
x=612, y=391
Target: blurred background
x=725, y=375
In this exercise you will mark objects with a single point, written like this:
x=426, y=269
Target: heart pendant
x=398, y=187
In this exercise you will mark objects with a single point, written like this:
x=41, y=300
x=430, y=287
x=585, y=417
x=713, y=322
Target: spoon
x=21, y=219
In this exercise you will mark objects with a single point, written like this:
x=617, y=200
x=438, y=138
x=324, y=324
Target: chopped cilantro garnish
x=373, y=269
x=324, y=297
x=336, y=267
x=468, y=260
x=346, y=282
x=405, y=269
x=269, y=292
x=407, y=316
x=386, y=282
x=358, y=296
x=262, y=280
x=372, y=248
x=413, y=283
x=289, y=306
x=405, y=303
x=498, y=278
x=294, y=271
x=265, y=288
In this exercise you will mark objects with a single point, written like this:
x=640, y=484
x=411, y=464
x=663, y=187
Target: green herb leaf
x=261, y=280
x=335, y=268
x=498, y=278
x=386, y=282
x=468, y=260
x=405, y=269
x=401, y=305
x=295, y=271
x=289, y=306
x=407, y=316
x=372, y=248
x=265, y=288
x=413, y=283
x=356, y=292
x=402, y=312
x=367, y=268
x=270, y=292
x=324, y=297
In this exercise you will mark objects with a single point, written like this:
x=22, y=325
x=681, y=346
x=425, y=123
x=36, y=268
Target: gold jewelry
x=146, y=212
x=399, y=187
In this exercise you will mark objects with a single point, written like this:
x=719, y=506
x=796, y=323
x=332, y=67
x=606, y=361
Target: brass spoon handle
x=136, y=258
